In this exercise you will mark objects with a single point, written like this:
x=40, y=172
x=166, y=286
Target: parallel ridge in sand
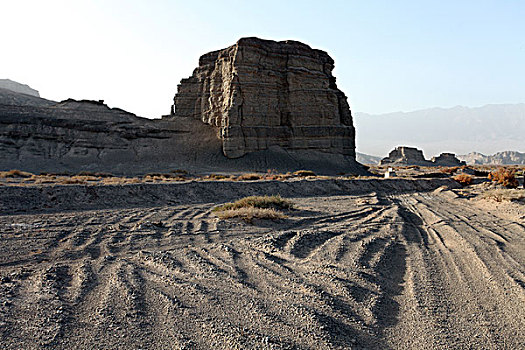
x=371, y=270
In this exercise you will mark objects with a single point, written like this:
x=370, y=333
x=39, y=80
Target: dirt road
x=374, y=271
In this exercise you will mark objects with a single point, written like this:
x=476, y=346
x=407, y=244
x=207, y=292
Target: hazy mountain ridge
x=500, y=158
x=18, y=87
x=12, y=98
x=487, y=129
x=367, y=159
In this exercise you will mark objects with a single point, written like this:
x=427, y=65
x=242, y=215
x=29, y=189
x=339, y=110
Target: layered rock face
x=40, y=135
x=262, y=93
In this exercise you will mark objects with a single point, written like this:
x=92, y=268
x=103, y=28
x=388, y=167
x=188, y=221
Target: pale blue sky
x=389, y=55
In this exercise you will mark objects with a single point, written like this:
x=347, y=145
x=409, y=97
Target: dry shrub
x=505, y=177
x=249, y=177
x=303, y=173
x=180, y=171
x=254, y=207
x=120, y=180
x=250, y=213
x=176, y=178
x=73, y=181
x=449, y=170
x=85, y=178
x=262, y=202
x=463, y=179
x=162, y=177
x=14, y=173
x=45, y=180
x=95, y=174
x=216, y=177
x=272, y=174
x=500, y=195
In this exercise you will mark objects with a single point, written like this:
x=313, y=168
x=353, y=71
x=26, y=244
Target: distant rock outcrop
x=17, y=87
x=412, y=156
x=500, y=158
x=263, y=93
x=405, y=156
x=447, y=159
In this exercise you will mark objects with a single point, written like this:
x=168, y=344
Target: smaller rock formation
x=405, y=156
x=447, y=159
x=412, y=156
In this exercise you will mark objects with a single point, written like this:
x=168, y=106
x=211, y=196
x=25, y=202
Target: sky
x=389, y=55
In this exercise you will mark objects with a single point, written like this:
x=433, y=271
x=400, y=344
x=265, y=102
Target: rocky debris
x=499, y=158
x=17, y=87
x=403, y=155
x=263, y=93
x=447, y=159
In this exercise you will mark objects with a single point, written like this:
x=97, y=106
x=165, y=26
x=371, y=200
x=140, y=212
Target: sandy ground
x=377, y=270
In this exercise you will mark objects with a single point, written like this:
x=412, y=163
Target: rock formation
x=447, y=159
x=255, y=106
x=88, y=135
x=412, y=156
x=262, y=93
x=405, y=156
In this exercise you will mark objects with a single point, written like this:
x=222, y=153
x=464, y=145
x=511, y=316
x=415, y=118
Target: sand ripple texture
x=369, y=271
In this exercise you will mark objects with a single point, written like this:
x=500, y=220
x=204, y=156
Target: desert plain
x=357, y=263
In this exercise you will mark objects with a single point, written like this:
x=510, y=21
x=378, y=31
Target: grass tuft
x=262, y=202
x=248, y=214
x=254, y=207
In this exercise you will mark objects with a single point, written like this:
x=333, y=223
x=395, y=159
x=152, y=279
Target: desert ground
x=356, y=264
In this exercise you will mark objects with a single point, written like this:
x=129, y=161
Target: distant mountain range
x=366, y=158
x=17, y=87
x=500, y=158
x=473, y=158
x=460, y=130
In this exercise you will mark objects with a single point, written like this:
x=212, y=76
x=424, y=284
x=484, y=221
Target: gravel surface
x=377, y=270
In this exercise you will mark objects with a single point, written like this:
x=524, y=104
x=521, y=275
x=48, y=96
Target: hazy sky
x=389, y=55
